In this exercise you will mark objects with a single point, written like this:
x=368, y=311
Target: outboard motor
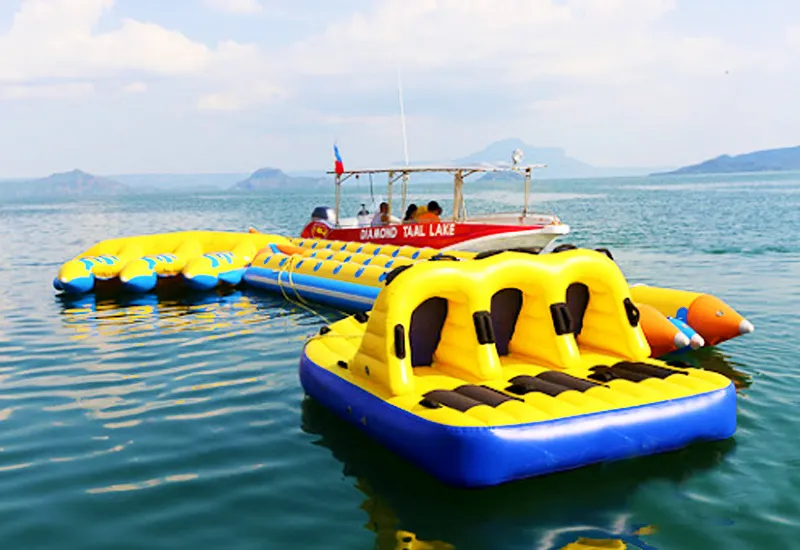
x=323, y=213
x=364, y=219
x=321, y=224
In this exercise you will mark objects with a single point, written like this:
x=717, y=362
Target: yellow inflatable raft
x=485, y=371
x=201, y=258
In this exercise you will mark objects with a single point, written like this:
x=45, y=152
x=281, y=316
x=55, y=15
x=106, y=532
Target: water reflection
x=174, y=310
x=716, y=360
x=546, y=513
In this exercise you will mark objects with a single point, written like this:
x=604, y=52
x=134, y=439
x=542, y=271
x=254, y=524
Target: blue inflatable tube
x=482, y=456
x=337, y=294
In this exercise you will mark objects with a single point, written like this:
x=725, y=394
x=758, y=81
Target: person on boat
x=382, y=215
x=433, y=213
x=411, y=214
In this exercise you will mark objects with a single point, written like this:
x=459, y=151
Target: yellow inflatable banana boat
x=201, y=258
x=714, y=320
x=349, y=275
x=346, y=275
x=515, y=365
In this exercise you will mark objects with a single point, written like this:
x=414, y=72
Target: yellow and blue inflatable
x=202, y=259
x=345, y=275
x=714, y=320
x=349, y=276
x=486, y=371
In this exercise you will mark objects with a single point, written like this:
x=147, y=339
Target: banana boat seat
x=511, y=366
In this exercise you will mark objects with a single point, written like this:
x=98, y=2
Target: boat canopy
x=459, y=173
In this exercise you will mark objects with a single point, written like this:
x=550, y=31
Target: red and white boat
x=479, y=233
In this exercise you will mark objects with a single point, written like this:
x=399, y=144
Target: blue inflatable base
x=472, y=457
x=329, y=292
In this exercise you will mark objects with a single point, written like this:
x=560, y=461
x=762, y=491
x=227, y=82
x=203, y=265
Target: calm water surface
x=180, y=422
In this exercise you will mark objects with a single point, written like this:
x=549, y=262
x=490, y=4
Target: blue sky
x=233, y=85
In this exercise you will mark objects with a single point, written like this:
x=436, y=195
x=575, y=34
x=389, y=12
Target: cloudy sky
x=122, y=86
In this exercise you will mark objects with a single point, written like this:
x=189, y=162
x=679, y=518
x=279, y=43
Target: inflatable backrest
x=526, y=290
x=602, y=315
x=462, y=316
x=505, y=310
x=425, y=330
x=425, y=317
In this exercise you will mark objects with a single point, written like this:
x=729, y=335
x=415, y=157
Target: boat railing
x=459, y=174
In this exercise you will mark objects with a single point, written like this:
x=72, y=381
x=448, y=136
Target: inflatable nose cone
x=746, y=327
x=74, y=277
x=662, y=336
x=681, y=340
x=696, y=341
x=693, y=340
x=715, y=320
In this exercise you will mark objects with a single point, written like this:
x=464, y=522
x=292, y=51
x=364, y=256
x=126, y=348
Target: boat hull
x=446, y=235
x=473, y=457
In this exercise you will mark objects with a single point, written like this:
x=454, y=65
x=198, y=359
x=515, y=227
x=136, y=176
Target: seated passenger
x=433, y=213
x=411, y=214
x=382, y=216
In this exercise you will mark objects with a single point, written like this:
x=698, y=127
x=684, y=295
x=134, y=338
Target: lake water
x=182, y=423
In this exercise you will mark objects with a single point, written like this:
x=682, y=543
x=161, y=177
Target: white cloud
x=56, y=39
x=42, y=91
x=135, y=88
x=450, y=45
x=426, y=34
x=595, y=67
x=235, y=6
x=793, y=36
x=236, y=100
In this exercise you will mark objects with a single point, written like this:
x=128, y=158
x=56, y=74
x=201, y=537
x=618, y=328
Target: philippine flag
x=339, y=166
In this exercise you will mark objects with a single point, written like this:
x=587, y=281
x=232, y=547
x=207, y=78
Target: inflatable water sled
x=349, y=276
x=481, y=372
x=714, y=320
x=662, y=334
x=202, y=259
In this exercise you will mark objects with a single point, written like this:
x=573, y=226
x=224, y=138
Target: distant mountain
x=504, y=176
x=769, y=160
x=74, y=183
x=273, y=178
x=559, y=164
x=179, y=182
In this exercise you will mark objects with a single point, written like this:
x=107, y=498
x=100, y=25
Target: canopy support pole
x=405, y=192
x=389, y=200
x=458, y=196
x=527, y=191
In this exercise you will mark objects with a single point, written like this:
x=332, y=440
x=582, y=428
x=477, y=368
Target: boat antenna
x=402, y=114
x=405, y=138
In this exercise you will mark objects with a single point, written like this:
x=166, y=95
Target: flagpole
x=338, y=180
